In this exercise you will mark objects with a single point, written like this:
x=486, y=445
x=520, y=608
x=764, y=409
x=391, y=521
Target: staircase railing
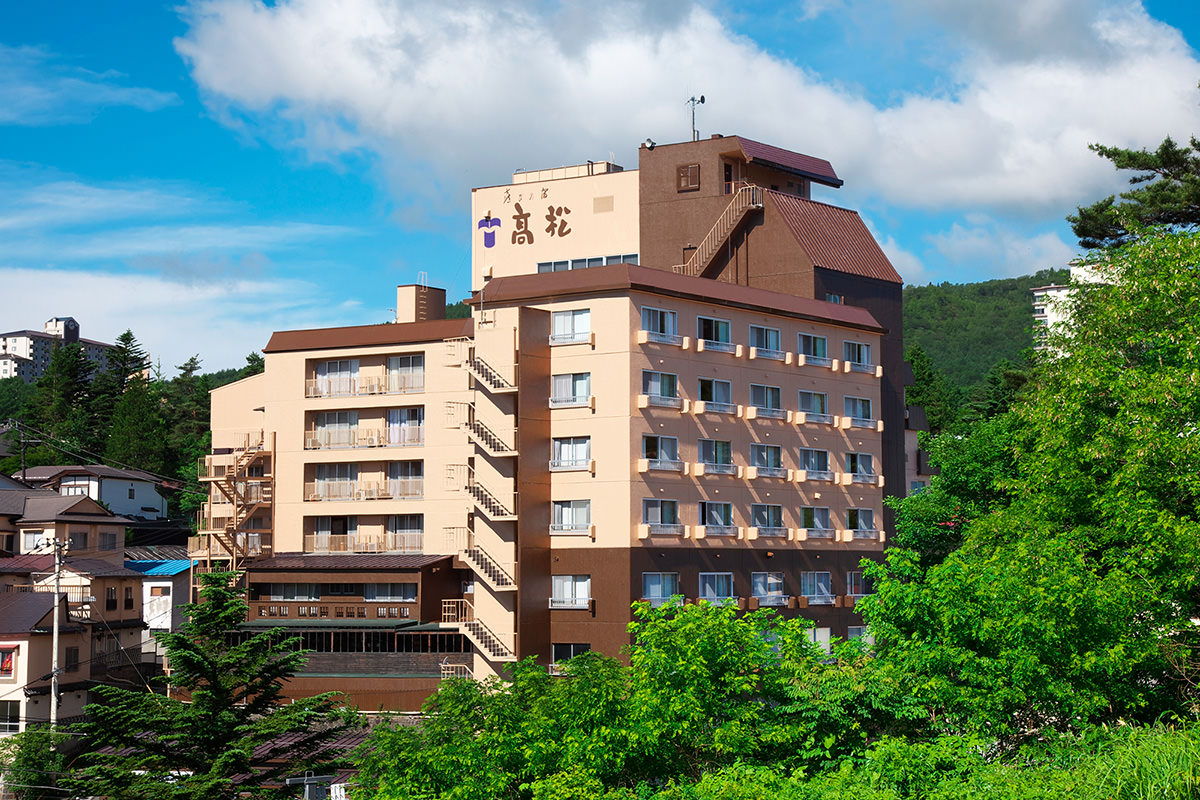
x=746, y=198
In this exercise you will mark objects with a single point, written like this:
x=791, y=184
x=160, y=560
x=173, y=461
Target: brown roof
x=817, y=169
x=59, y=508
x=298, y=561
x=834, y=238
x=48, y=473
x=27, y=563
x=369, y=335
x=20, y=612
x=627, y=277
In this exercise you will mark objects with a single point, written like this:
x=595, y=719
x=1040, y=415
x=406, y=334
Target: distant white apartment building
x=127, y=492
x=1051, y=303
x=26, y=354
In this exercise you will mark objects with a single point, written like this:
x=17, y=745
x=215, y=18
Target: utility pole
x=60, y=553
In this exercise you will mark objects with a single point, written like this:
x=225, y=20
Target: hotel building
x=685, y=379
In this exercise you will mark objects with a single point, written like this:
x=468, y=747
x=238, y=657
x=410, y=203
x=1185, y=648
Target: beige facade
x=597, y=433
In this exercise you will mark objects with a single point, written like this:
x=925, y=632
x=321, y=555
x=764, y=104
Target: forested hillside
x=967, y=328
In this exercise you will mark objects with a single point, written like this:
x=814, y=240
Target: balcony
x=574, y=337
x=861, y=422
x=573, y=529
x=770, y=472
x=349, y=438
x=572, y=465
x=710, y=468
x=660, y=465
x=816, y=475
x=574, y=401
x=399, y=489
x=713, y=407
x=772, y=532
x=804, y=359
x=656, y=337
x=359, y=386
x=728, y=531
x=648, y=529
x=864, y=477
x=76, y=595
x=754, y=412
x=771, y=600
x=657, y=600
x=819, y=533
x=870, y=534
x=391, y=542
x=659, y=401
x=576, y=603
x=816, y=418
x=773, y=355
x=819, y=599
x=859, y=366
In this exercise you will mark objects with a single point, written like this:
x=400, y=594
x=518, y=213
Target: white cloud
x=450, y=95
x=992, y=248
x=37, y=90
x=174, y=319
x=67, y=202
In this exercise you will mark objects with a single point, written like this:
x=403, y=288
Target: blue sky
x=207, y=172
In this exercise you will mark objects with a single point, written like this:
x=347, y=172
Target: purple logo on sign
x=485, y=224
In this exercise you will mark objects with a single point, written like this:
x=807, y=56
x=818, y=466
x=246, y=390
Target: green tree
x=931, y=390
x=33, y=762
x=61, y=405
x=125, y=360
x=1079, y=575
x=235, y=722
x=1167, y=192
x=137, y=433
x=255, y=364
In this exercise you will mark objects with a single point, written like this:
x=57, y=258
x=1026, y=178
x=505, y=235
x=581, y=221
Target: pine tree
x=234, y=722
x=931, y=390
x=137, y=436
x=255, y=364
x=61, y=406
x=125, y=360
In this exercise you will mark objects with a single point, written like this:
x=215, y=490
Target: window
x=571, y=453
x=389, y=592
x=131, y=492
x=571, y=516
x=830, y=297
x=717, y=394
x=571, y=389
x=816, y=521
x=405, y=426
x=662, y=326
x=766, y=399
x=660, y=386
x=108, y=540
x=716, y=586
x=293, y=591
x=768, y=458
x=859, y=632
x=570, y=591
x=406, y=479
x=561, y=651
x=10, y=714
x=862, y=522
x=662, y=515
x=861, y=466
x=160, y=591
x=858, y=409
x=72, y=659
x=659, y=587
x=856, y=584
x=110, y=598
x=333, y=429
x=571, y=327
x=662, y=452
x=335, y=378
x=768, y=588
x=31, y=540
x=687, y=178
x=768, y=519
x=128, y=598
x=713, y=331
x=859, y=356
x=815, y=406
x=765, y=340
x=816, y=462
x=8, y=662
x=334, y=482
x=716, y=456
x=406, y=373
x=78, y=540
x=717, y=518
x=816, y=587
x=916, y=487
x=814, y=349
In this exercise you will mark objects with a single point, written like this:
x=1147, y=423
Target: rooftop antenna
x=694, y=101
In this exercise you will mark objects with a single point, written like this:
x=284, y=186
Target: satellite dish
x=701, y=99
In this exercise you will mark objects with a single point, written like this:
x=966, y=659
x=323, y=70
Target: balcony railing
x=570, y=602
x=571, y=529
x=820, y=533
x=663, y=401
x=862, y=422
x=344, y=438
x=573, y=401
x=819, y=474
x=665, y=529
x=817, y=361
x=772, y=472
x=719, y=469
x=818, y=418
x=74, y=594
x=720, y=408
x=866, y=533
x=865, y=477
x=722, y=347
x=773, y=413
x=820, y=599
x=664, y=464
x=859, y=366
x=389, y=542
x=397, y=489
x=664, y=338
x=570, y=464
x=767, y=352
x=355, y=386
x=574, y=337
x=772, y=531
x=766, y=600
x=720, y=530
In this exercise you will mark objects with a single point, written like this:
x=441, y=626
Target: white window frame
x=817, y=587
x=767, y=588
x=811, y=340
x=571, y=517
x=716, y=581
x=766, y=332
x=853, y=406
x=570, y=591
x=570, y=453
x=661, y=325
x=572, y=326
x=664, y=580
x=717, y=326
x=574, y=382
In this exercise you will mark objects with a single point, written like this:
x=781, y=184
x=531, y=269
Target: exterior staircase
x=745, y=199
x=462, y=415
x=461, y=614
